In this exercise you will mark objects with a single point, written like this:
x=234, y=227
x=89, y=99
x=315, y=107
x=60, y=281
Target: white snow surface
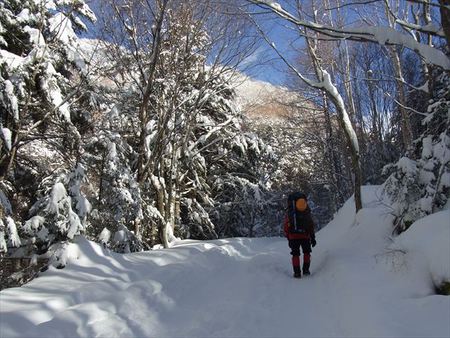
x=5, y=134
x=61, y=26
x=12, y=60
x=421, y=254
x=363, y=284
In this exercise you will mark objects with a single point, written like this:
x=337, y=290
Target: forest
x=120, y=119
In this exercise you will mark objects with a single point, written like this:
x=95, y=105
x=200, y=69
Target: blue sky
x=281, y=33
x=263, y=64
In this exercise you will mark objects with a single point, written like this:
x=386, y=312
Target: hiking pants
x=295, y=245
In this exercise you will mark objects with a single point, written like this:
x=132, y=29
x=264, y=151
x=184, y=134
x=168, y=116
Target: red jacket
x=309, y=234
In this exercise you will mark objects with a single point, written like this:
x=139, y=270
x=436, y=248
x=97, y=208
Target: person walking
x=299, y=230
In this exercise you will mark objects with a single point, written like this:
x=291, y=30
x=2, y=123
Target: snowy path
x=232, y=288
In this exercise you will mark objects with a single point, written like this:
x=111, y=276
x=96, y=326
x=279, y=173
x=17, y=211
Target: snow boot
x=306, y=269
x=296, y=266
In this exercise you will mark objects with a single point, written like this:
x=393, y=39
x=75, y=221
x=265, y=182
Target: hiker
x=299, y=230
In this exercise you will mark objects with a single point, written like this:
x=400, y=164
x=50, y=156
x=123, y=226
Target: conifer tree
x=419, y=183
x=41, y=72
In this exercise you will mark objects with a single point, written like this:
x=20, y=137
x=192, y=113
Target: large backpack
x=297, y=219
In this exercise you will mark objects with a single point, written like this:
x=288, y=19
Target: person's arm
x=286, y=226
x=312, y=233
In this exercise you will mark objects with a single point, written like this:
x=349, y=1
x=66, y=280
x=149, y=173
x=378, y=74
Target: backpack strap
x=295, y=214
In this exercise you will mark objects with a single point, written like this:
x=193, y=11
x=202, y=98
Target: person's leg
x=294, y=244
x=306, y=248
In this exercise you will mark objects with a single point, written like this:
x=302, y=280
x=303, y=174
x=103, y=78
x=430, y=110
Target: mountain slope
x=265, y=103
x=361, y=286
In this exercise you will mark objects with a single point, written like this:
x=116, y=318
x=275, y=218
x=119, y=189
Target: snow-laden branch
x=332, y=91
x=377, y=34
x=214, y=130
x=429, y=28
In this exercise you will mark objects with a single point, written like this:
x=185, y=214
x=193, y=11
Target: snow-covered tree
x=420, y=183
x=228, y=171
x=39, y=61
x=61, y=211
x=5, y=212
x=118, y=202
x=183, y=114
x=41, y=73
x=9, y=237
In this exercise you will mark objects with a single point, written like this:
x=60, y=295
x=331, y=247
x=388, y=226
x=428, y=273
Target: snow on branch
x=331, y=89
x=380, y=35
x=205, y=137
x=429, y=28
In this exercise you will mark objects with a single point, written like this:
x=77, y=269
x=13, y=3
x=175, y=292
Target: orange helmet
x=301, y=204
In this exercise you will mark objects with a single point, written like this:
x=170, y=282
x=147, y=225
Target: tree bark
x=143, y=113
x=350, y=136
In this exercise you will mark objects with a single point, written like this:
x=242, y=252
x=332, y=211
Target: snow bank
x=372, y=221
x=427, y=246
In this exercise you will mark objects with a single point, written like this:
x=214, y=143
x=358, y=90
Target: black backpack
x=297, y=219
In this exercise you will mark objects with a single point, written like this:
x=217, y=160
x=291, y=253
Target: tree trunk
x=343, y=117
x=161, y=208
x=445, y=18
x=331, y=156
x=352, y=142
x=407, y=136
x=405, y=120
x=143, y=114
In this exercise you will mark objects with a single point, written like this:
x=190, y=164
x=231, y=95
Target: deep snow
x=363, y=284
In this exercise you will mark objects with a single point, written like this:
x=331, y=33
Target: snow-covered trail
x=234, y=288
